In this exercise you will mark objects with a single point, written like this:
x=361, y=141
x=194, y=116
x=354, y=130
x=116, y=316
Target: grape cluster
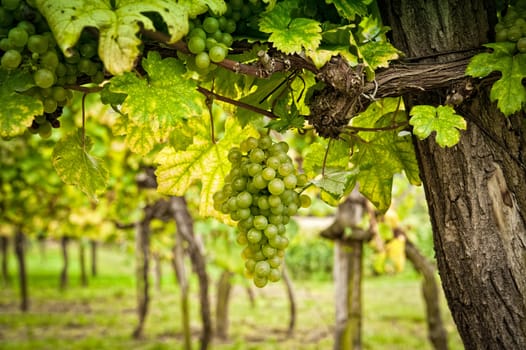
x=27, y=44
x=512, y=26
x=210, y=35
x=260, y=194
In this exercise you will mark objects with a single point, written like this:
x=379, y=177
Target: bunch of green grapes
x=210, y=36
x=512, y=26
x=27, y=44
x=209, y=40
x=260, y=193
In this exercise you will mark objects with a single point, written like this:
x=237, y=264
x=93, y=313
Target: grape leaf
x=336, y=182
x=290, y=35
x=443, y=120
x=75, y=166
x=203, y=161
x=349, y=9
x=337, y=157
x=156, y=105
x=118, y=23
x=379, y=160
x=508, y=90
x=377, y=54
x=18, y=110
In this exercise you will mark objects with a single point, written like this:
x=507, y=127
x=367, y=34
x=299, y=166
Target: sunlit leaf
x=156, y=104
x=118, y=24
x=443, y=120
x=77, y=167
x=289, y=34
x=508, y=90
x=203, y=162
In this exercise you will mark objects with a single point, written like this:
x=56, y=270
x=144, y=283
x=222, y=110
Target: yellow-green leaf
x=77, y=167
x=118, y=23
x=203, y=162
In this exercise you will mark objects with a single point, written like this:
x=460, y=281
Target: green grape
x=45, y=130
x=257, y=155
x=202, y=61
x=260, y=282
x=27, y=26
x=59, y=93
x=196, y=45
x=18, y=37
x=50, y=105
x=226, y=39
x=11, y=59
x=6, y=45
x=230, y=26
x=290, y=181
x=276, y=187
x=273, y=162
x=268, y=174
x=40, y=119
x=274, y=275
x=44, y=78
x=217, y=53
x=210, y=25
x=88, y=49
x=199, y=32
x=244, y=199
x=514, y=33
x=260, y=222
x=254, y=236
x=49, y=60
x=521, y=45
x=37, y=43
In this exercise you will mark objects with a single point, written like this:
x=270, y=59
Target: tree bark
x=93, y=246
x=475, y=190
x=65, y=263
x=20, y=242
x=185, y=227
x=182, y=279
x=142, y=240
x=4, y=247
x=82, y=263
x=224, y=286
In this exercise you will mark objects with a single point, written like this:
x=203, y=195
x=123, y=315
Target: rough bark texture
x=224, y=286
x=475, y=190
x=185, y=226
x=65, y=263
x=142, y=242
x=4, y=249
x=20, y=241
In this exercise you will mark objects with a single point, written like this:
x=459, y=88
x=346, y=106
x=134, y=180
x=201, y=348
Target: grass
x=102, y=316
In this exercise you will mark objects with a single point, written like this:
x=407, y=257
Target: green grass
x=102, y=316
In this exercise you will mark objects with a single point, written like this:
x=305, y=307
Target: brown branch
x=247, y=106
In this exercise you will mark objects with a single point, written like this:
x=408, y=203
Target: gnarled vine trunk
x=476, y=190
